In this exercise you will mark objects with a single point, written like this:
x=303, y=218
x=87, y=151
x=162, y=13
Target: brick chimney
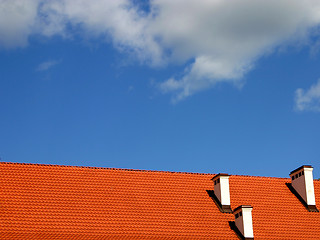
x=302, y=183
x=222, y=192
x=243, y=221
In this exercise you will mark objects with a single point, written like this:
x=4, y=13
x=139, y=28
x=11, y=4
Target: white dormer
x=243, y=221
x=302, y=182
x=221, y=191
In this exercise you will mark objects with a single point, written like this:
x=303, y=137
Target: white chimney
x=302, y=182
x=222, y=192
x=243, y=221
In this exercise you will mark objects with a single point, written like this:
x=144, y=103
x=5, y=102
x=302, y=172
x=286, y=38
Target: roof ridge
x=239, y=175
x=107, y=168
x=136, y=170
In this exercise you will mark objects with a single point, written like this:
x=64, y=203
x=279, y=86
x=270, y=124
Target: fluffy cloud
x=225, y=38
x=308, y=100
x=221, y=39
x=119, y=21
x=204, y=73
x=17, y=20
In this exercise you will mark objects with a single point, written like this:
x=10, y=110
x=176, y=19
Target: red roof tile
x=64, y=202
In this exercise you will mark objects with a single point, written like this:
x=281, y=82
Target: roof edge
x=106, y=168
x=138, y=170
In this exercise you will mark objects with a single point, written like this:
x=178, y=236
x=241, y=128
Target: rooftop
x=63, y=202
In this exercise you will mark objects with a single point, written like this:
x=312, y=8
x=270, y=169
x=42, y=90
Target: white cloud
x=17, y=19
x=120, y=21
x=204, y=73
x=308, y=100
x=223, y=39
x=46, y=65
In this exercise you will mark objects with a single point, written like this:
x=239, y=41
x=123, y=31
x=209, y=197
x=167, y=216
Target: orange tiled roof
x=64, y=202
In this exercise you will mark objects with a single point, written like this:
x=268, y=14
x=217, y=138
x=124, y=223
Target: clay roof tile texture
x=65, y=202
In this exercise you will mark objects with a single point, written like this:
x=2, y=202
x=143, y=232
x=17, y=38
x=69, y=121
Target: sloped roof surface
x=64, y=202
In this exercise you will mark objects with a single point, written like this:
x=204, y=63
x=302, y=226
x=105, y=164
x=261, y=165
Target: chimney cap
x=299, y=168
x=242, y=206
x=220, y=174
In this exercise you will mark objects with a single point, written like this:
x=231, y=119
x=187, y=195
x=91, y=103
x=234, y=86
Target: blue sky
x=190, y=86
